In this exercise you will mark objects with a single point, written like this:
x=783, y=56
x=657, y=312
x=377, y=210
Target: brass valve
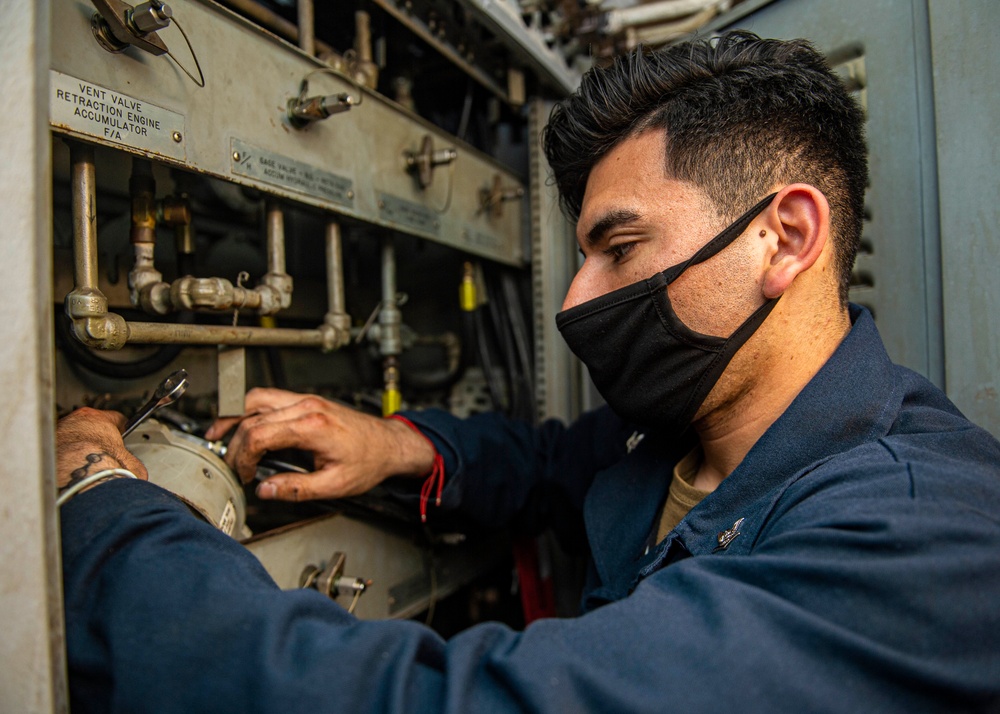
x=422, y=163
x=491, y=199
x=302, y=111
x=331, y=581
x=116, y=25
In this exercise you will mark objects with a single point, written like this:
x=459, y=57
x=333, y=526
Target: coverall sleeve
x=839, y=608
x=504, y=473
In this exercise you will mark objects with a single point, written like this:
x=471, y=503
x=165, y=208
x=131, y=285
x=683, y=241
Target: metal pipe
x=617, y=20
x=364, y=70
x=84, y=215
x=388, y=273
x=217, y=294
x=337, y=322
x=307, y=27
x=178, y=334
x=334, y=270
x=146, y=286
x=142, y=191
x=86, y=305
x=275, y=239
x=272, y=21
x=390, y=334
x=363, y=35
x=664, y=32
x=275, y=288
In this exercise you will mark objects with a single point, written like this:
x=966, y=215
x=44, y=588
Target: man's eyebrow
x=613, y=219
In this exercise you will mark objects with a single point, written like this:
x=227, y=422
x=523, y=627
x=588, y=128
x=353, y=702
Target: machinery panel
x=360, y=158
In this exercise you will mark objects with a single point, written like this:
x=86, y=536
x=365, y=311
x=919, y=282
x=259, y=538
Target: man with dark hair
x=741, y=116
x=776, y=517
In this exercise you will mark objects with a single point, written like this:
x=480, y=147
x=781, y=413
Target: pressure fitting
x=336, y=329
x=91, y=323
x=392, y=398
x=218, y=294
x=144, y=278
x=275, y=292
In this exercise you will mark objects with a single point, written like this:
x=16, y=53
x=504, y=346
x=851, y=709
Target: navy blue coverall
x=850, y=563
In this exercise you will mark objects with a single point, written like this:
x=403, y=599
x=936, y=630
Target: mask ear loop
x=749, y=326
x=720, y=241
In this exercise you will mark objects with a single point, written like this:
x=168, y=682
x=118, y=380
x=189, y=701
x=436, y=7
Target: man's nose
x=581, y=289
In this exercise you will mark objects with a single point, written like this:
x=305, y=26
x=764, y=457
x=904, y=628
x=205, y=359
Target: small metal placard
x=484, y=241
x=281, y=171
x=93, y=110
x=409, y=214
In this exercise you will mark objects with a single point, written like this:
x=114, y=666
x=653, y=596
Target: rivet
x=236, y=156
x=177, y=136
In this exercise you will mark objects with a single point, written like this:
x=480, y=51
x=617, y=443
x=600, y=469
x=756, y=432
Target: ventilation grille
x=849, y=64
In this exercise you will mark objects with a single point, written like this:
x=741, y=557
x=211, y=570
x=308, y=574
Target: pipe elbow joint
x=107, y=332
x=275, y=292
x=155, y=299
x=85, y=303
x=336, y=330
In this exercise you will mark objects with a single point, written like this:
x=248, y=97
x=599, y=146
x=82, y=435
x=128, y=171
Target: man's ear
x=799, y=217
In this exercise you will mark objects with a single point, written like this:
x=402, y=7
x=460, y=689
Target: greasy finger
x=90, y=425
x=257, y=401
x=265, y=399
x=318, y=425
x=221, y=427
x=297, y=487
x=254, y=438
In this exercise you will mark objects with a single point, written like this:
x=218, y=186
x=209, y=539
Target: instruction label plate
x=409, y=214
x=90, y=109
x=277, y=170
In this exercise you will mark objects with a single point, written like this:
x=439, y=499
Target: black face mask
x=648, y=365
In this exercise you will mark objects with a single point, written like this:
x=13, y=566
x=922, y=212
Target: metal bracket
x=116, y=25
x=331, y=580
x=491, y=199
x=422, y=163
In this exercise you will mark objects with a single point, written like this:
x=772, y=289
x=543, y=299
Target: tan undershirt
x=682, y=496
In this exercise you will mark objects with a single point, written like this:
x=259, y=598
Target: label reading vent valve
x=112, y=117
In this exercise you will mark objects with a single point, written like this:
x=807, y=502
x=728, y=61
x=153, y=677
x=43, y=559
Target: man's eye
x=618, y=252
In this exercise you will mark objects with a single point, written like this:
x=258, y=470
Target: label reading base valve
x=287, y=173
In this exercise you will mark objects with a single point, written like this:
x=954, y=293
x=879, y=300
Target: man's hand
x=88, y=441
x=353, y=451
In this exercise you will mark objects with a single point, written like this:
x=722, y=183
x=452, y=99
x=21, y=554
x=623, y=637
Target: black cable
x=485, y=361
x=436, y=380
x=521, y=339
x=501, y=332
x=276, y=367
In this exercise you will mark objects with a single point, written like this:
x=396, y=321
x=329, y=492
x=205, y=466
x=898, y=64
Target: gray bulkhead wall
x=930, y=264
x=32, y=678
x=966, y=63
